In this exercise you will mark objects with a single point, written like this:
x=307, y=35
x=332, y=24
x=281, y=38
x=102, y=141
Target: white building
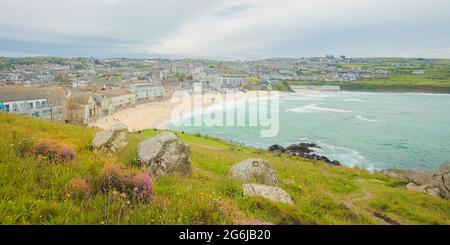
x=213, y=81
x=48, y=103
x=79, y=83
x=112, y=100
x=146, y=91
x=196, y=70
x=233, y=81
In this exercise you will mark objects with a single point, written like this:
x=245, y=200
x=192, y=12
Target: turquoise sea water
x=371, y=130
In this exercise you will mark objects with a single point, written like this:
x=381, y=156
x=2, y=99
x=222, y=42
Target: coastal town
x=251, y=120
x=82, y=90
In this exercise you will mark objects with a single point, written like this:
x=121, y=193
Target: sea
x=374, y=131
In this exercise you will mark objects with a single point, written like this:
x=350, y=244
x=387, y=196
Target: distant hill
x=35, y=190
x=405, y=75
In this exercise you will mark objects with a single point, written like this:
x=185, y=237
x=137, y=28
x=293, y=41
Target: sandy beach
x=155, y=114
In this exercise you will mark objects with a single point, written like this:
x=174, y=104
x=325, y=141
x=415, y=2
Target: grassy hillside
x=34, y=190
x=435, y=77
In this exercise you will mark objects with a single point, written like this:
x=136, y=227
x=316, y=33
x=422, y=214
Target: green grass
x=32, y=191
x=281, y=86
x=436, y=77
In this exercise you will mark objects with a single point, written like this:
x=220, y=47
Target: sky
x=225, y=29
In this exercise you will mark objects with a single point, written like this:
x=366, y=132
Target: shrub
x=45, y=148
x=54, y=151
x=142, y=186
x=115, y=176
x=138, y=186
x=66, y=153
x=78, y=187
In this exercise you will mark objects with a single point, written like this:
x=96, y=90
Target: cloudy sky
x=225, y=29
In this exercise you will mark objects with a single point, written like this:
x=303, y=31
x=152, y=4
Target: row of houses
x=219, y=82
x=48, y=103
x=75, y=107
x=88, y=106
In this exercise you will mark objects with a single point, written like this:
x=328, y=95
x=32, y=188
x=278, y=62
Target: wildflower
x=53, y=151
x=143, y=186
x=115, y=176
x=78, y=188
x=66, y=153
x=119, y=179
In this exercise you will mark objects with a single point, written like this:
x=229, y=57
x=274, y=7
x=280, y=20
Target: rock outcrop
x=276, y=148
x=425, y=181
x=302, y=150
x=259, y=179
x=254, y=170
x=428, y=189
x=111, y=139
x=165, y=155
x=270, y=192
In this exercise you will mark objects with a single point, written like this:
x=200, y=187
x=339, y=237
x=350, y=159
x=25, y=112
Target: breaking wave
x=366, y=119
x=315, y=108
x=353, y=100
x=345, y=155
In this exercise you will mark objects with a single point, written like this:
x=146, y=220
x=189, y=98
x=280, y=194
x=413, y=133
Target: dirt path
x=350, y=204
x=205, y=146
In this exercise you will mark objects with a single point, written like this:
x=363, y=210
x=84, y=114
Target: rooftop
x=19, y=93
x=115, y=92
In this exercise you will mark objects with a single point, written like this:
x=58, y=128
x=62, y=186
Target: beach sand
x=155, y=114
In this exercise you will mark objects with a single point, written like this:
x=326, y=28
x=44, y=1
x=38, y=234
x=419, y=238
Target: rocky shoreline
x=435, y=183
x=303, y=150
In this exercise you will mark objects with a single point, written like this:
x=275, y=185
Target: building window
x=15, y=107
x=38, y=105
x=31, y=105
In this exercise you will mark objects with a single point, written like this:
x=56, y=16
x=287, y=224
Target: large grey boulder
x=254, y=170
x=415, y=176
x=427, y=189
x=444, y=168
x=443, y=178
x=164, y=155
x=101, y=138
x=270, y=192
x=111, y=139
x=438, y=181
x=119, y=127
